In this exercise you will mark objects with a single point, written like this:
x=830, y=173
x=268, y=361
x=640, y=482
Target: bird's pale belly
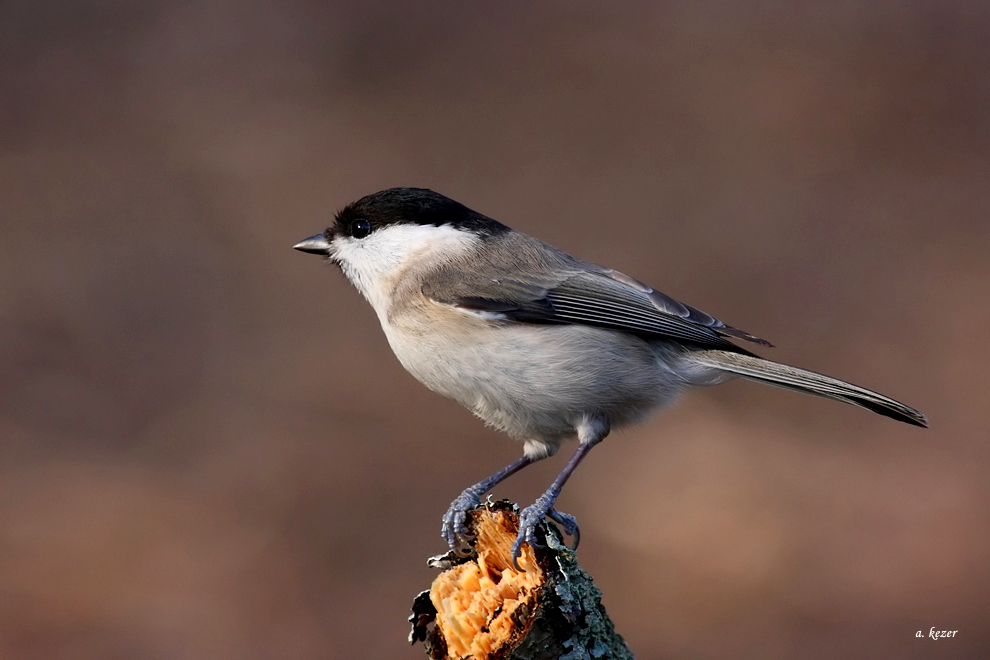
x=538, y=382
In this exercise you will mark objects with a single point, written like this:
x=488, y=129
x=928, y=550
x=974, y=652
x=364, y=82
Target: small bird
x=539, y=344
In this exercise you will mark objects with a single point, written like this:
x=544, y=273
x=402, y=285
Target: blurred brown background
x=208, y=450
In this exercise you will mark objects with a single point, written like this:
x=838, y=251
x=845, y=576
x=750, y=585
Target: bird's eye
x=360, y=228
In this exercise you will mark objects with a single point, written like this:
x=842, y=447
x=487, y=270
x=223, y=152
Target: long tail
x=802, y=380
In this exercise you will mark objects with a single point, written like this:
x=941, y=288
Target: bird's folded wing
x=602, y=297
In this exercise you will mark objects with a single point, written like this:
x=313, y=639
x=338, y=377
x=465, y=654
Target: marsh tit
x=537, y=343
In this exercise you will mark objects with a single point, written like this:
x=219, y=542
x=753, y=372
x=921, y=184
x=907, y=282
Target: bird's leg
x=455, y=520
x=590, y=433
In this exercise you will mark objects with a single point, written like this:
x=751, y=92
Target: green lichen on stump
x=489, y=611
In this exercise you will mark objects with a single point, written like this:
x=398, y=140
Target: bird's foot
x=455, y=529
x=530, y=520
x=569, y=523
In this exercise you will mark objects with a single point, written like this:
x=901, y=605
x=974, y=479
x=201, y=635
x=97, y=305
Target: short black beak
x=314, y=245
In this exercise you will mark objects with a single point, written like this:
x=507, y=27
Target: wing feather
x=570, y=291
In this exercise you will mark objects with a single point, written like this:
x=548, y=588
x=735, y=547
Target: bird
x=539, y=344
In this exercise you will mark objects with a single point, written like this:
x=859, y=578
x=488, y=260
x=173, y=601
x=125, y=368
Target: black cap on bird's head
x=400, y=206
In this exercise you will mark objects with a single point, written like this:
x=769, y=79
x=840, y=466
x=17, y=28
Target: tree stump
x=481, y=608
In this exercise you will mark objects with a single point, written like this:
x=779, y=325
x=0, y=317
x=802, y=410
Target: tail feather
x=810, y=382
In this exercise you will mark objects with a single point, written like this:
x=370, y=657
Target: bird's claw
x=569, y=523
x=530, y=520
x=455, y=530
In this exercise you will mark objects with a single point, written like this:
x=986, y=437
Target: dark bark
x=556, y=613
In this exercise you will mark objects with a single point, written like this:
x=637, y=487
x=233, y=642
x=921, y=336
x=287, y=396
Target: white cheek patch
x=374, y=263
